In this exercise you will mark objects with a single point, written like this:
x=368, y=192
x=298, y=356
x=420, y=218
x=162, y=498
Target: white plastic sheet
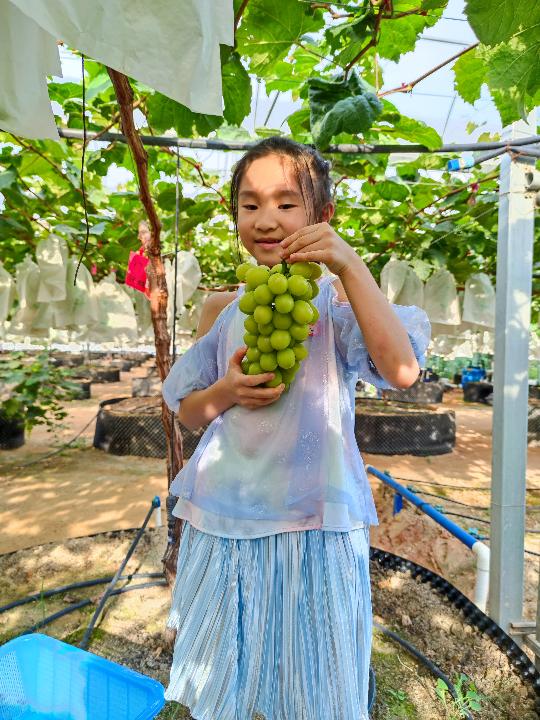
x=7, y=293
x=27, y=283
x=144, y=317
x=189, y=317
x=117, y=322
x=51, y=256
x=189, y=276
x=479, y=301
x=440, y=298
x=400, y=283
x=28, y=53
x=172, y=47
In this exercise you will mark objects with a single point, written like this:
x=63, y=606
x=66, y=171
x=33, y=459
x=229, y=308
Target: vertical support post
x=510, y=383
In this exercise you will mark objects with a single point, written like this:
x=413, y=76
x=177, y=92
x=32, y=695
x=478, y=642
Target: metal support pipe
x=356, y=149
x=479, y=549
x=510, y=382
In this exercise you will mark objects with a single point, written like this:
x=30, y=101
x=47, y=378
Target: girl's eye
x=250, y=207
x=286, y=206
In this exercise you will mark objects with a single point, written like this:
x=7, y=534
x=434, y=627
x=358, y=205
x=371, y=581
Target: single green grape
x=280, y=339
x=292, y=343
x=257, y=275
x=255, y=369
x=275, y=382
x=277, y=283
x=284, y=303
x=264, y=344
x=287, y=386
x=245, y=364
x=248, y=288
x=300, y=352
x=282, y=321
x=250, y=339
x=247, y=303
x=286, y=358
x=250, y=325
x=316, y=270
x=287, y=376
x=241, y=271
x=263, y=314
x=301, y=312
x=296, y=367
x=314, y=288
x=263, y=295
x=267, y=329
x=307, y=295
x=301, y=268
x=299, y=332
x=268, y=361
x=253, y=354
x=298, y=285
x=276, y=269
x=316, y=314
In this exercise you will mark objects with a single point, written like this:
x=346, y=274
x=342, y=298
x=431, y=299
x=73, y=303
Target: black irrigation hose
x=458, y=502
x=430, y=666
x=467, y=517
x=82, y=604
x=76, y=586
x=44, y=457
x=474, y=616
x=459, y=487
x=115, y=579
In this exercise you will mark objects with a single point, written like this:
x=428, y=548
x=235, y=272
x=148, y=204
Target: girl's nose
x=266, y=221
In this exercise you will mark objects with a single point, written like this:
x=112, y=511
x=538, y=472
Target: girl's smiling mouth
x=267, y=242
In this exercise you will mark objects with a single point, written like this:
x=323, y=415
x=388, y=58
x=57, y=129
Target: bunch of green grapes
x=279, y=311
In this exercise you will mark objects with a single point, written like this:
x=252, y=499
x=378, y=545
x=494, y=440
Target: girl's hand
x=319, y=243
x=241, y=388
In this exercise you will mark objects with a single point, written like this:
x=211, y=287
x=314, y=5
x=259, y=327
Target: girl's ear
x=327, y=212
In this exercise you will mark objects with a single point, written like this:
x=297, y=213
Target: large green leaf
x=496, y=21
x=341, y=107
x=399, y=36
x=270, y=28
x=164, y=114
x=400, y=126
x=470, y=74
x=236, y=90
x=390, y=190
x=7, y=178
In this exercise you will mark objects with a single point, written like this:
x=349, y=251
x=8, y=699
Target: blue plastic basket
x=41, y=677
x=471, y=374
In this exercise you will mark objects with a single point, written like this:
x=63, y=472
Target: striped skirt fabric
x=279, y=625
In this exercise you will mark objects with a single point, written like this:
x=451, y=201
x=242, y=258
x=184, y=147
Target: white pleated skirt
x=279, y=625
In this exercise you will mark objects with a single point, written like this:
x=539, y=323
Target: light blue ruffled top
x=293, y=464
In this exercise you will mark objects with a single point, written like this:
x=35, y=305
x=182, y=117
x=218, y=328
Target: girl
x=272, y=601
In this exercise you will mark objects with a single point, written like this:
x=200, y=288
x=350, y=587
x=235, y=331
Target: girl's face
x=270, y=208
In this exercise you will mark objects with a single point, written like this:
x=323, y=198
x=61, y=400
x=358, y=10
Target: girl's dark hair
x=310, y=171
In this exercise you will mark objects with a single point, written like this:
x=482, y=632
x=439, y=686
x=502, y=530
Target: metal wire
x=177, y=214
x=82, y=173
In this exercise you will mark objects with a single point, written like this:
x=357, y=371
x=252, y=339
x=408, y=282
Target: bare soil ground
x=47, y=509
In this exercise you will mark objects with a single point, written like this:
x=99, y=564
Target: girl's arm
x=200, y=407
x=386, y=339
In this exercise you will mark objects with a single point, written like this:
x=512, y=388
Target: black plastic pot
x=138, y=433
x=422, y=393
x=11, y=434
x=98, y=375
x=394, y=431
x=84, y=394
x=477, y=391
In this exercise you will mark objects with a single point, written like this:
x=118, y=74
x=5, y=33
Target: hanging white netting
x=440, y=298
x=116, y=320
x=400, y=283
x=479, y=301
x=27, y=284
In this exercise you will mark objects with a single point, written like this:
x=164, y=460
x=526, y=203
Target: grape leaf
x=164, y=114
x=399, y=36
x=415, y=131
x=497, y=21
x=470, y=75
x=298, y=123
x=339, y=106
x=390, y=190
x=236, y=85
x=7, y=178
x=270, y=28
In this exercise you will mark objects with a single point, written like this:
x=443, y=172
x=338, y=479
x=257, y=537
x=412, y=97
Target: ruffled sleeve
x=196, y=369
x=353, y=349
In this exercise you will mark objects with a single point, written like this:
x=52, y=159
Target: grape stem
x=284, y=267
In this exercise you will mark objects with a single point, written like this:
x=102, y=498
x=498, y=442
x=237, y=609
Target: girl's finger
x=251, y=380
x=312, y=239
x=298, y=234
x=265, y=393
x=311, y=256
x=238, y=355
